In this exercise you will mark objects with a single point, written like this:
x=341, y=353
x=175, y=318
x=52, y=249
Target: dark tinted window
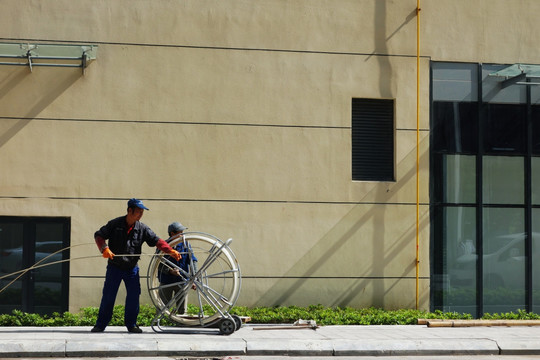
x=455, y=127
x=27, y=241
x=505, y=127
x=536, y=130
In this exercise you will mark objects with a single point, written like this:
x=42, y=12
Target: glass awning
x=519, y=74
x=56, y=55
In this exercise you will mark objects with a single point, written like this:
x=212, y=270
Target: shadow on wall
x=382, y=48
x=326, y=252
x=24, y=94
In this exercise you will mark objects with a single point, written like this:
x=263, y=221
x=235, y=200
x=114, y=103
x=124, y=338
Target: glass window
x=535, y=180
x=505, y=129
x=535, y=95
x=11, y=260
x=496, y=126
x=48, y=279
x=460, y=179
x=493, y=92
x=504, y=260
x=455, y=81
x=535, y=114
x=455, y=127
x=461, y=256
x=503, y=180
x=24, y=242
x=535, y=262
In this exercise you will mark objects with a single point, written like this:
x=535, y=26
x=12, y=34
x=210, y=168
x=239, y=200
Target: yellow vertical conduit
x=417, y=146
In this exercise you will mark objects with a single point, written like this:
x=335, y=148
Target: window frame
x=29, y=279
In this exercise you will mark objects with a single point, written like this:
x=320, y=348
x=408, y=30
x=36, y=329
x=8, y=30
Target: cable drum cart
x=212, y=284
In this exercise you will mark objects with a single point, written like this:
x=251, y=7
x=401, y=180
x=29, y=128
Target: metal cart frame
x=212, y=283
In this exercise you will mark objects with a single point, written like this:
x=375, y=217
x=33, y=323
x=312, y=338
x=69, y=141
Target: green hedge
x=341, y=316
x=261, y=315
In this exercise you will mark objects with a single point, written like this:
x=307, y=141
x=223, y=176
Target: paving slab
x=424, y=347
x=522, y=346
x=290, y=347
x=100, y=348
x=16, y=347
x=250, y=340
x=202, y=347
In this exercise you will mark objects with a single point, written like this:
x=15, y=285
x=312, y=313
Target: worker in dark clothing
x=125, y=236
x=170, y=277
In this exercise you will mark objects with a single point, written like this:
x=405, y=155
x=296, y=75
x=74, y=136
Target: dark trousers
x=113, y=278
x=168, y=293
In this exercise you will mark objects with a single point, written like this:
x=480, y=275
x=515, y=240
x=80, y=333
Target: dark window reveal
x=373, y=139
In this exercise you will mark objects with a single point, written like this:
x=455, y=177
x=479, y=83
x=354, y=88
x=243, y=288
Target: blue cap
x=136, y=203
x=176, y=227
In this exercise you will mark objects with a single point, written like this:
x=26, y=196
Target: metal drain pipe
x=417, y=147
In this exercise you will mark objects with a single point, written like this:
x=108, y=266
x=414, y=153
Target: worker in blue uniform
x=170, y=277
x=124, y=236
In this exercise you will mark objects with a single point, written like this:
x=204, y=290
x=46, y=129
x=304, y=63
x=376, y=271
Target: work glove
x=107, y=253
x=175, y=254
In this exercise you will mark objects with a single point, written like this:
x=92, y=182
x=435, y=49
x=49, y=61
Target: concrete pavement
x=253, y=340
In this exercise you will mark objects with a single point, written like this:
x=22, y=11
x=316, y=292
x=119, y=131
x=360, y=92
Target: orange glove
x=175, y=254
x=107, y=253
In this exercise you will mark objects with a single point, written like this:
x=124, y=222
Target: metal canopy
x=47, y=55
x=518, y=74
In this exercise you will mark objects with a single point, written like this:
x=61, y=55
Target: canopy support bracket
x=52, y=55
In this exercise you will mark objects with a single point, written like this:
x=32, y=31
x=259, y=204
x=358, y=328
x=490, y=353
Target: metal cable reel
x=208, y=278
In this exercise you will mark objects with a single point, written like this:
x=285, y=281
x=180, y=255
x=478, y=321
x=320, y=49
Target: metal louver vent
x=373, y=139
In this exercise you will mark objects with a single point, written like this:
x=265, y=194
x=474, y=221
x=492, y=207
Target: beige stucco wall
x=451, y=30
x=492, y=31
x=233, y=117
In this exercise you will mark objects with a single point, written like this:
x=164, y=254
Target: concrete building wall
x=234, y=117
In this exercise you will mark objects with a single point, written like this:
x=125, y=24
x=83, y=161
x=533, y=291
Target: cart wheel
x=237, y=321
x=215, y=277
x=227, y=326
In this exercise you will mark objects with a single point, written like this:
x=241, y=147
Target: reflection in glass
x=460, y=250
x=499, y=128
x=460, y=177
x=535, y=181
x=535, y=262
x=504, y=260
x=503, y=180
x=11, y=260
x=535, y=116
x=455, y=127
x=48, y=279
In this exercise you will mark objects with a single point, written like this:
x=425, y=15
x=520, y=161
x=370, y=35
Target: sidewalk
x=253, y=340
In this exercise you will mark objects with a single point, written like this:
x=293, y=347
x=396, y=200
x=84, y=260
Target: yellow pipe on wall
x=417, y=147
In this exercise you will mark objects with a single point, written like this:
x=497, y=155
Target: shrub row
x=261, y=315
